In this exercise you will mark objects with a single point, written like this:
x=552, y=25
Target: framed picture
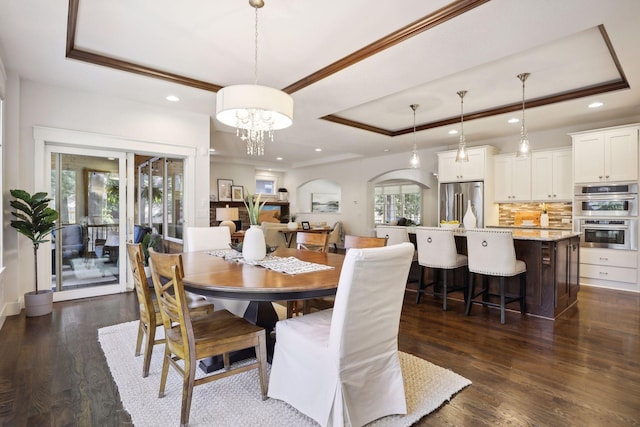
x=305, y=225
x=237, y=193
x=224, y=190
x=325, y=202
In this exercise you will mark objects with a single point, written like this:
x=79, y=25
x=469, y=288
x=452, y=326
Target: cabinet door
x=621, y=155
x=587, y=158
x=474, y=169
x=448, y=169
x=562, y=173
x=542, y=172
x=521, y=178
x=502, y=166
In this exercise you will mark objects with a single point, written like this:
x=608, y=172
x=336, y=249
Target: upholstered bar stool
x=437, y=250
x=492, y=253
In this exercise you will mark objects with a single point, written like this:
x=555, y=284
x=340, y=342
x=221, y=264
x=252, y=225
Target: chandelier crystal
x=524, y=150
x=255, y=111
x=461, y=154
x=414, y=161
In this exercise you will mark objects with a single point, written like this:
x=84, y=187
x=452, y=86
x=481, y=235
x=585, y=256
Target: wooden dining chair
x=189, y=340
x=312, y=241
x=150, y=317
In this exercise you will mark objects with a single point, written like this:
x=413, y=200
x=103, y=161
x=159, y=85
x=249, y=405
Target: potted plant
x=254, y=247
x=35, y=220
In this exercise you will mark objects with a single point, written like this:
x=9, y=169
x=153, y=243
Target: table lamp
x=227, y=216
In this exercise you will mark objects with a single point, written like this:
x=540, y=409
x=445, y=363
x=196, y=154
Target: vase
x=38, y=304
x=292, y=225
x=469, y=219
x=254, y=247
x=544, y=220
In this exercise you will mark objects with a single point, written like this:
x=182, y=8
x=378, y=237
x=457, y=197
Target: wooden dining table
x=210, y=275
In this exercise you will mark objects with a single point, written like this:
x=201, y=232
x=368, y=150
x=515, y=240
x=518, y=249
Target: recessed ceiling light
x=212, y=150
x=386, y=150
x=453, y=132
x=318, y=149
x=596, y=104
x=513, y=120
x=172, y=98
x=278, y=158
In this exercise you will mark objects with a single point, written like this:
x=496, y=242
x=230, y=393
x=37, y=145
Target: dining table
x=225, y=274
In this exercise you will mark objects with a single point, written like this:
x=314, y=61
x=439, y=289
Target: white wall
x=32, y=104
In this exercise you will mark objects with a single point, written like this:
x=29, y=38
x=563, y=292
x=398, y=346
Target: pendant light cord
x=255, y=62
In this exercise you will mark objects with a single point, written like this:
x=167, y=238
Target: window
x=396, y=201
x=265, y=186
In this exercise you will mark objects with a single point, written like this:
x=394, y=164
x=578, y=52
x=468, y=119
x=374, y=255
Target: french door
x=88, y=188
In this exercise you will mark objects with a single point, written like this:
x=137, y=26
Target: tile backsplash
x=557, y=213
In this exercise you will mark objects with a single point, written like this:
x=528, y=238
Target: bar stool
x=437, y=250
x=492, y=253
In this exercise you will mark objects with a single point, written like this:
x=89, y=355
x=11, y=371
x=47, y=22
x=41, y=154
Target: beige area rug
x=236, y=401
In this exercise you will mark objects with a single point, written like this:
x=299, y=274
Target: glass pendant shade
x=461, y=154
x=524, y=150
x=414, y=161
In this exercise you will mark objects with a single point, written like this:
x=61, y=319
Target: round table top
x=210, y=275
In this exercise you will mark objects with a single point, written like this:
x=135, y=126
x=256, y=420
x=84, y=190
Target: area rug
x=236, y=400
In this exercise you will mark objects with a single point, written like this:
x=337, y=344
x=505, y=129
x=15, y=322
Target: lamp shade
x=232, y=102
x=227, y=216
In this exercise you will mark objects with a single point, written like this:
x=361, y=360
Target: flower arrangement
x=544, y=208
x=253, y=208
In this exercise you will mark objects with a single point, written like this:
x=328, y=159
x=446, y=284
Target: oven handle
x=601, y=227
x=605, y=198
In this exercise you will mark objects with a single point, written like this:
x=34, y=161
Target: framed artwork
x=224, y=190
x=305, y=225
x=237, y=193
x=325, y=202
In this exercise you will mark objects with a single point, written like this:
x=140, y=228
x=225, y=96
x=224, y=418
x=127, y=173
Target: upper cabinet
x=606, y=155
x=473, y=170
x=551, y=178
x=512, y=181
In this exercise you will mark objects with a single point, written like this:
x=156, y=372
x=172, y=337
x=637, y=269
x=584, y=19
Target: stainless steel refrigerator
x=454, y=198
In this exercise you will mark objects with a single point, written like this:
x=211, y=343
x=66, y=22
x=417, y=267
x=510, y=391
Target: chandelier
x=523, y=149
x=255, y=111
x=461, y=154
x=414, y=161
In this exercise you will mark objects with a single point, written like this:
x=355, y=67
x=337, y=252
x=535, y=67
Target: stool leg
x=465, y=292
x=485, y=288
x=471, y=289
x=420, y=284
x=502, y=313
x=523, y=293
x=444, y=290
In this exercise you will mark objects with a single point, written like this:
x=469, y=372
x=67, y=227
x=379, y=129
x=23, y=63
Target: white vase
x=254, y=247
x=292, y=225
x=469, y=219
x=544, y=220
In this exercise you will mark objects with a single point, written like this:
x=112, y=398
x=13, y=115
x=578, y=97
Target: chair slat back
x=312, y=241
x=351, y=241
x=436, y=247
x=141, y=284
x=207, y=238
x=170, y=295
x=380, y=272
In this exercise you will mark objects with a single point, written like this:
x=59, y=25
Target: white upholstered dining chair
x=209, y=239
x=340, y=366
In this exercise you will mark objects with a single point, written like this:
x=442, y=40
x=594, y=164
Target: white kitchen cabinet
x=551, y=175
x=512, y=178
x=609, y=268
x=473, y=170
x=606, y=155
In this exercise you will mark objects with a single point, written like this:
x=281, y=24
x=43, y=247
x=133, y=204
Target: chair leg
x=444, y=290
x=523, y=293
x=420, y=284
x=165, y=371
x=471, y=289
x=261, y=356
x=148, y=350
x=139, y=339
x=188, y=383
x=502, y=298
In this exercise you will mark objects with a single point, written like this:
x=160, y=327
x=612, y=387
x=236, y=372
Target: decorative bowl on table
x=450, y=224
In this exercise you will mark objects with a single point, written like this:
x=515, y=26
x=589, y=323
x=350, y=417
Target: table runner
x=286, y=265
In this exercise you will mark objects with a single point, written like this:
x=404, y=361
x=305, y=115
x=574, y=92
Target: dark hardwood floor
x=581, y=370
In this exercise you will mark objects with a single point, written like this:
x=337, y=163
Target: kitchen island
x=553, y=260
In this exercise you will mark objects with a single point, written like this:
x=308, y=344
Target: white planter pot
x=293, y=226
x=38, y=304
x=254, y=247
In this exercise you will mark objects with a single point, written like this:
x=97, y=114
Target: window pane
x=265, y=186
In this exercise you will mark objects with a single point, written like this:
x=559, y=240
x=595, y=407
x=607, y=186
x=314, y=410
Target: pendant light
x=461, y=154
x=524, y=150
x=253, y=109
x=414, y=161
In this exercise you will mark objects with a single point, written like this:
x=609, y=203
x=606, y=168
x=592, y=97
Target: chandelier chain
x=255, y=58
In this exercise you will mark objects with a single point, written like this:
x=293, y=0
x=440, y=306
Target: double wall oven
x=607, y=215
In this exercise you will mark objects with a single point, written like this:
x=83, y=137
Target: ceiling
x=353, y=68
